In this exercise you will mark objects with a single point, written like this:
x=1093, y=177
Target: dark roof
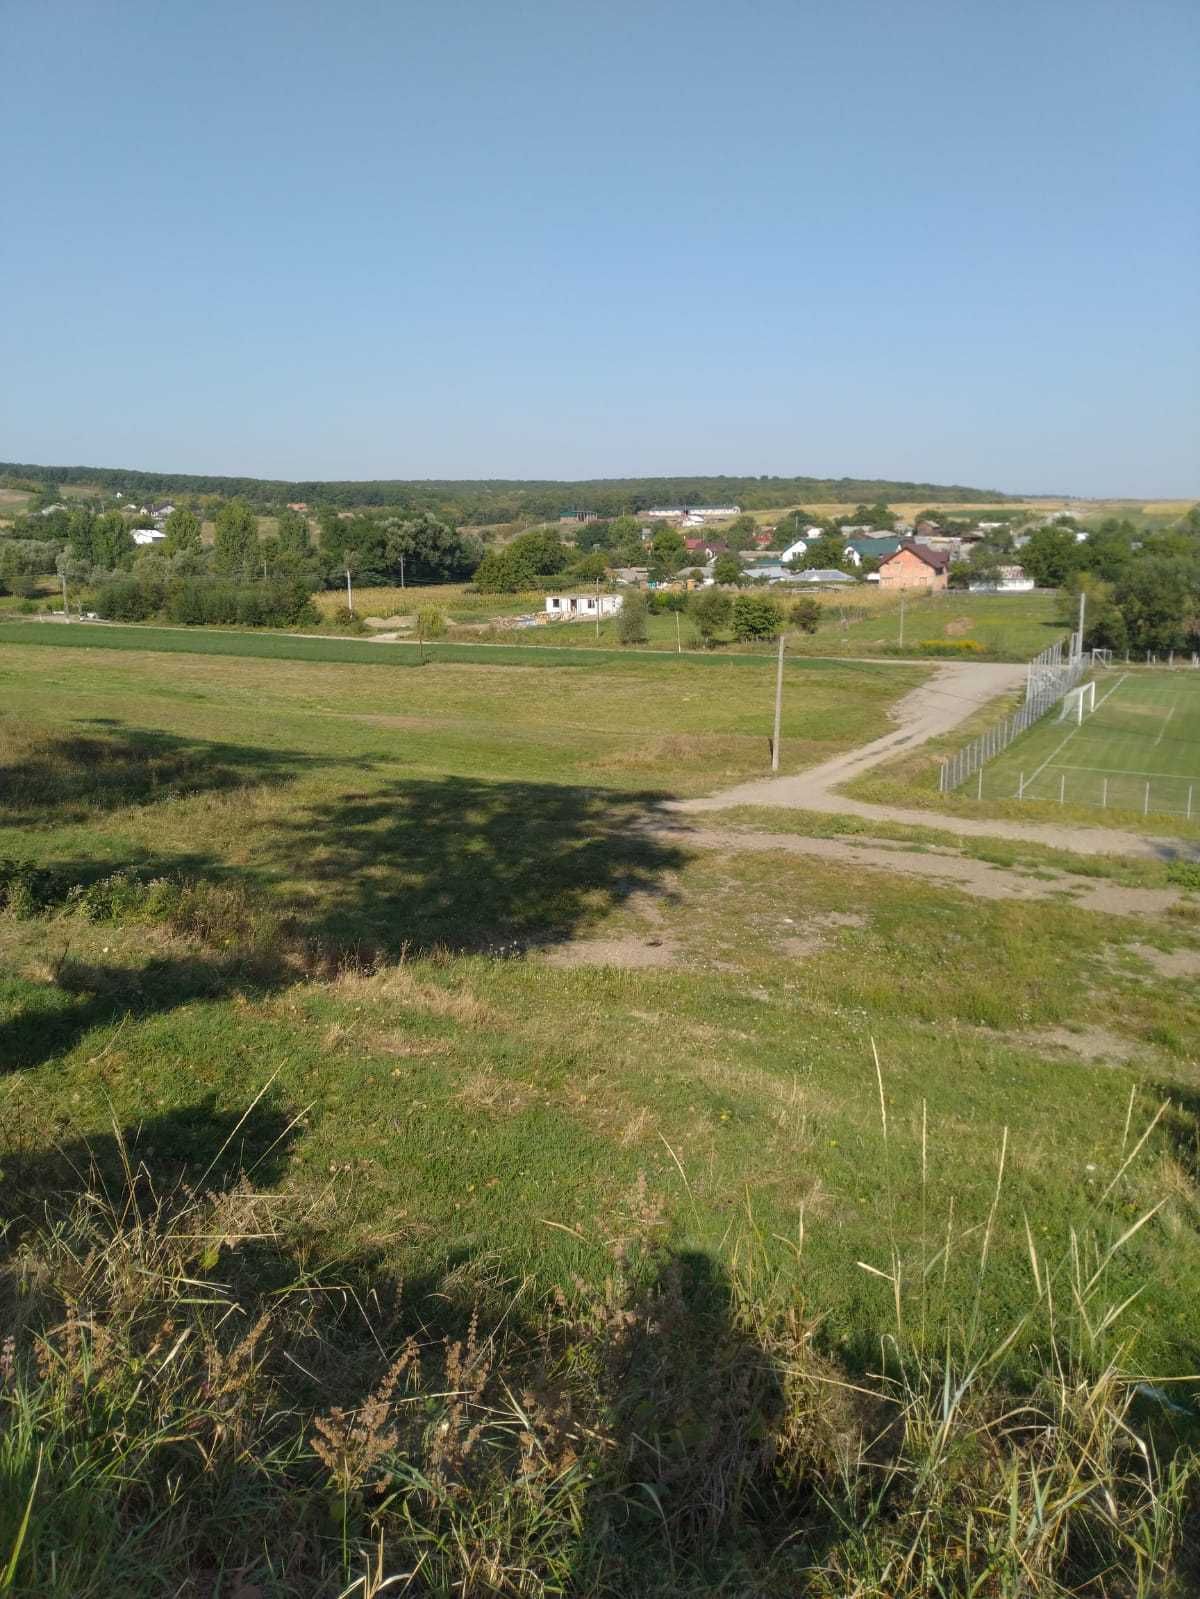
x=884, y=544
x=938, y=559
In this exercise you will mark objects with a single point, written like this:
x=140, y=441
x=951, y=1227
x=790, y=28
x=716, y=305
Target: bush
x=951, y=646
x=26, y=888
x=1184, y=874
x=806, y=613
x=710, y=610
x=125, y=600
x=432, y=624
x=215, y=602
x=756, y=616
x=660, y=602
x=631, y=620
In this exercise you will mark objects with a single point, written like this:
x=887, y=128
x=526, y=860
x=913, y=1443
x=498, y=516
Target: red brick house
x=914, y=566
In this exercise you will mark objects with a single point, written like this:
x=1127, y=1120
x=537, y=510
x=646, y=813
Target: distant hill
x=500, y=500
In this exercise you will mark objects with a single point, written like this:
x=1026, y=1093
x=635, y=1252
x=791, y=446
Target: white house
x=1009, y=580
x=694, y=515
x=800, y=547
x=147, y=535
x=570, y=607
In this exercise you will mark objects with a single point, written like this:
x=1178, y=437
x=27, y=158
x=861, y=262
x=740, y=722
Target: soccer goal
x=1078, y=703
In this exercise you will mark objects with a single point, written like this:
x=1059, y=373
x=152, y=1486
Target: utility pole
x=66, y=613
x=402, y=571
x=901, y=641
x=778, y=707
x=597, y=608
x=1082, y=613
x=678, y=643
x=349, y=594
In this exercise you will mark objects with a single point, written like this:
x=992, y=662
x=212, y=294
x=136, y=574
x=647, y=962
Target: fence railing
x=1048, y=678
x=1161, y=795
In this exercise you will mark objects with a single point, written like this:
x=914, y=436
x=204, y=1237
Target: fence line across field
x=1048, y=679
x=1154, y=793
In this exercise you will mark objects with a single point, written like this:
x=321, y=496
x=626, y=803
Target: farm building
x=147, y=535
x=567, y=607
x=1008, y=580
x=914, y=566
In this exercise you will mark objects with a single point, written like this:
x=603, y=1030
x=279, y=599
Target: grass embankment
x=910, y=781
x=515, y=1040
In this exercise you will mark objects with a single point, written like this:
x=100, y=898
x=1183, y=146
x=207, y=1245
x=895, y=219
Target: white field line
x=1075, y=730
x=1125, y=771
x=1166, y=719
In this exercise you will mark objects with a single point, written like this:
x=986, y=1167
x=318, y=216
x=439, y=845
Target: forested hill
x=499, y=500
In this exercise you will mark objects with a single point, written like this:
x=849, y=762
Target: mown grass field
x=1139, y=750
x=1129, y=743
x=495, y=987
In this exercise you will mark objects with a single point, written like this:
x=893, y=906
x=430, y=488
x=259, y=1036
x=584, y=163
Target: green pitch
x=1138, y=750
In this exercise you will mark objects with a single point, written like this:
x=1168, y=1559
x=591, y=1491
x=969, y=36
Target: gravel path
x=953, y=693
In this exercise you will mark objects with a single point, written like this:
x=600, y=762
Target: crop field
x=1139, y=750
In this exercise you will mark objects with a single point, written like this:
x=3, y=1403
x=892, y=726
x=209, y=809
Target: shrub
x=661, y=602
x=125, y=600
x=1185, y=874
x=631, y=620
x=710, y=610
x=951, y=646
x=432, y=624
x=755, y=616
x=26, y=888
x=806, y=613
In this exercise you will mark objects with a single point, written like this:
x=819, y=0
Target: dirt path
x=977, y=878
x=951, y=695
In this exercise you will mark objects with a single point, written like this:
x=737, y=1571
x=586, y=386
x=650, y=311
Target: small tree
x=710, y=610
x=806, y=613
x=182, y=528
x=432, y=624
x=668, y=549
x=727, y=569
x=755, y=616
x=631, y=620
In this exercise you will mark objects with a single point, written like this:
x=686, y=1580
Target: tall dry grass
x=192, y=1403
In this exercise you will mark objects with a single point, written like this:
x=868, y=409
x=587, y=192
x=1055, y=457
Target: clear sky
x=952, y=240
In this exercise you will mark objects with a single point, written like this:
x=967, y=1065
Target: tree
x=668, y=549
x=236, y=540
x=740, y=534
x=433, y=551
x=182, y=528
x=631, y=620
x=112, y=542
x=876, y=516
x=710, y=610
x=1104, y=625
x=625, y=540
x=502, y=572
x=1159, y=599
x=292, y=531
x=1050, y=556
x=755, y=616
x=588, y=568
x=541, y=550
x=806, y=613
x=827, y=553
x=727, y=569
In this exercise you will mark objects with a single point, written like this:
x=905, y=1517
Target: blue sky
x=944, y=241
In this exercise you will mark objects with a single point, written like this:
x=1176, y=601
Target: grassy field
x=423, y=955
x=1139, y=750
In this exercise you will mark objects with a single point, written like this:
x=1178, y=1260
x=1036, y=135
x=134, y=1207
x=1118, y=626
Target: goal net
x=1078, y=703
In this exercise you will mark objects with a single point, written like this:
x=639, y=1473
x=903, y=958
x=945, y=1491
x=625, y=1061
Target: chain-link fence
x=1048, y=678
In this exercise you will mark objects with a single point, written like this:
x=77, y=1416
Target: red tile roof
x=938, y=559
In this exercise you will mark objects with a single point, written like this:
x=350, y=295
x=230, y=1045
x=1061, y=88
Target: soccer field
x=1138, y=750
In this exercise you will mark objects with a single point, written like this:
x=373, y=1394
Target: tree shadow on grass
x=70, y=775
x=464, y=865
x=448, y=865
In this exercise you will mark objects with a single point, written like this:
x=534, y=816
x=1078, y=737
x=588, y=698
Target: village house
x=914, y=566
x=872, y=548
x=572, y=607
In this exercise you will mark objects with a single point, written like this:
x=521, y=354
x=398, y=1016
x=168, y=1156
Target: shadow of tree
x=453, y=864
x=463, y=864
x=69, y=775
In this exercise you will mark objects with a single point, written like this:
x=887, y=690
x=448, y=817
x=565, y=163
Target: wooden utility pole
x=778, y=706
x=1082, y=614
x=402, y=571
x=678, y=641
x=901, y=640
x=349, y=594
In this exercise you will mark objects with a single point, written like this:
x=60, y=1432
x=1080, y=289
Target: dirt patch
x=1093, y=1044
x=959, y=626
x=629, y=952
x=815, y=936
x=1168, y=963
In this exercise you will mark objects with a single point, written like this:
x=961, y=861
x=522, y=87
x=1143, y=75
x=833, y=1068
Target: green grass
x=464, y=1093
x=1139, y=749
x=500, y=1049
